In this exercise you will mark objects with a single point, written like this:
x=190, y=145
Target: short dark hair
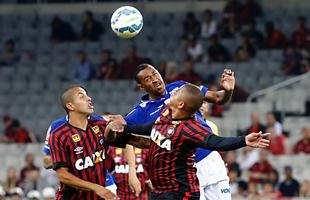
x=195, y=96
x=139, y=69
x=66, y=96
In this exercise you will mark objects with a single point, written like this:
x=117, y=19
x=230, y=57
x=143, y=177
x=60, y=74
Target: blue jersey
x=60, y=122
x=149, y=110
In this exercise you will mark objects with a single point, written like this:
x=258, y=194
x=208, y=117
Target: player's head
x=187, y=99
x=75, y=99
x=149, y=79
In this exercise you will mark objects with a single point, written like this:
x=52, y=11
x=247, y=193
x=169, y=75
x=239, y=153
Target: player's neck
x=154, y=97
x=179, y=114
x=78, y=120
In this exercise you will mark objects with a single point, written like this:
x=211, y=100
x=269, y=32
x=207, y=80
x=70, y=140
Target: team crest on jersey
x=76, y=138
x=170, y=131
x=165, y=113
x=118, y=151
x=175, y=122
x=96, y=129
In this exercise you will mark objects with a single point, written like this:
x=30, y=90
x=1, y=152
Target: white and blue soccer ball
x=126, y=22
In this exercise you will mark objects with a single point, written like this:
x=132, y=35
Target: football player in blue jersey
x=150, y=107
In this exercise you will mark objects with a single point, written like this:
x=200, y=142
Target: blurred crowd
x=31, y=182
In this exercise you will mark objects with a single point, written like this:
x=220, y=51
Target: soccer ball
x=126, y=22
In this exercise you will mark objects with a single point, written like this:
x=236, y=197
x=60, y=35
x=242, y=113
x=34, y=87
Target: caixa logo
x=90, y=161
x=226, y=190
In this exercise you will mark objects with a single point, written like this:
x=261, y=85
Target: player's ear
x=181, y=105
x=140, y=86
x=70, y=106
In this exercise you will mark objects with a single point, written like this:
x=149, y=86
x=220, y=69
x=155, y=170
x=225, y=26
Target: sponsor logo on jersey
x=226, y=190
x=90, y=161
x=124, y=169
x=160, y=140
x=96, y=129
x=76, y=138
x=78, y=150
x=170, y=131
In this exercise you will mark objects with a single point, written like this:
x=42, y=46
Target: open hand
x=257, y=140
x=104, y=193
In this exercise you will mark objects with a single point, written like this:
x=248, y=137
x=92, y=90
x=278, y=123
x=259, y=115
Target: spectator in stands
x=83, y=69
x=194, y=49
x=49, y=193
x=274, y=39
x=301, y=35
x=256, y=125
x=268, y=191
x=277, y=144
x=255, y=36
x=92, y=29
x=303, y=145
x=9, y=55
x=242, y=190
x=290, y=186
x=272, y=122
x=247, y=158
x=11, y=181
x=253, y=191
x=305, y=62
x=128, y=64
x=189, y=75
x=250, y=11
x=216, y=51
x=233, y=181
x=30, y=166
x=61, y=31
x=240, y=94
x=191, y=26
x=231, y=162
x=108, y=69
x=245, y=50
x=291, y=61
x=171, y=74
x=273, y=178
x=258, y=172
x=208, y=26
x=16, y=193
x=230, y=19
x=15, y=133
x=305, y=189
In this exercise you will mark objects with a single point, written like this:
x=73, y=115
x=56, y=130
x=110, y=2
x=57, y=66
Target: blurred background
x=47, y=45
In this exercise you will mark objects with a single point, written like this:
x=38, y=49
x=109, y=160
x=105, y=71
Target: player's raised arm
x=224, y=95
x=213, y=142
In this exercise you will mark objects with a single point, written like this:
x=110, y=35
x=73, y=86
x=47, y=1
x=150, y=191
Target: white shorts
x=218, y=191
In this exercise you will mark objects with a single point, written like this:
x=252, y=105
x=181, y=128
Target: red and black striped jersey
x=83, y=152
x=121, y=169
x=172, y=153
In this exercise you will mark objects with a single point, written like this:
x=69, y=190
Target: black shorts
x=175, y=196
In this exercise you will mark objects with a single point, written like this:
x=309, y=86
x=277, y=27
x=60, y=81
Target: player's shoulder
x=174, y=85
x=97, y=120
x=195, y=125
x=57, y=123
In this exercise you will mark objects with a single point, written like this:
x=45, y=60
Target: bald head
x=68, y=96
x=192, y=97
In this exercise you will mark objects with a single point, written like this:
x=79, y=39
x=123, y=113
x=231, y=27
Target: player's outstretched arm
x=117, y=133
x=67, y=178
x=222, y=96
x=255, y=140
x=133, y=180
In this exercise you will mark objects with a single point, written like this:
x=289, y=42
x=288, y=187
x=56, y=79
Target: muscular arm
x=219, y=97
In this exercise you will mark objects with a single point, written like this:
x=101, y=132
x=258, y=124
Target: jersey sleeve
x=46, y=148
x=198, y=136
x=136, y=116
x=58, y=152
x=203, y=90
